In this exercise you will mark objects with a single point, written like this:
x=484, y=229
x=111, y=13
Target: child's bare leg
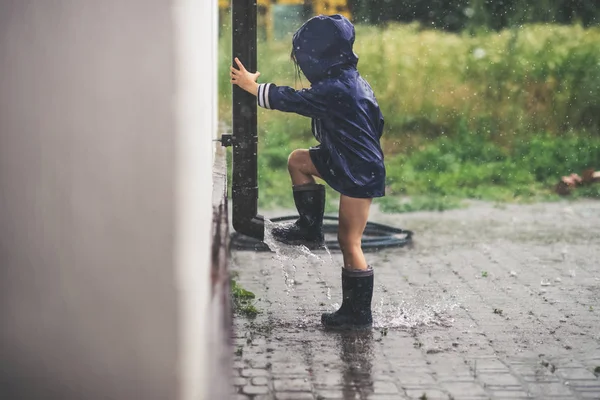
x=353, y=216
x=309, y=199
x=301, y=168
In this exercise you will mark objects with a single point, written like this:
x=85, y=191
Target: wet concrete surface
x=490, y=302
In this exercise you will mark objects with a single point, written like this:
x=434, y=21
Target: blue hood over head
x=323, y=46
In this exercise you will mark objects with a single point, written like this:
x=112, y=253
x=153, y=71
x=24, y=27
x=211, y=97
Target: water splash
x=292, y=258
x=415, y=311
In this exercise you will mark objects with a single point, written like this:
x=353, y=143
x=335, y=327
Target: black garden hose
x=376, y=236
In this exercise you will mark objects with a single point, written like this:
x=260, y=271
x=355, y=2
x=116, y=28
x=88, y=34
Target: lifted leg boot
x=355, y=311
x=308, y=228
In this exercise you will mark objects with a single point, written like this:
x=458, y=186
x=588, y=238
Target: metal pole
x=245, y=140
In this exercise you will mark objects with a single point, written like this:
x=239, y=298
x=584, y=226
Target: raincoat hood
x=323, y=47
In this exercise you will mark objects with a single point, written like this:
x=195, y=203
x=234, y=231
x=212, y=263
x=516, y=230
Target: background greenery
x=457, y=15
x=477, y=111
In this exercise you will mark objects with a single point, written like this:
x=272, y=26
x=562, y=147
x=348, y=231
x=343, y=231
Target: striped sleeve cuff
x=263, y=95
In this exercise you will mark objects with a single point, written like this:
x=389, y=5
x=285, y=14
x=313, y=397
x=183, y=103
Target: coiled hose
x=376, y=236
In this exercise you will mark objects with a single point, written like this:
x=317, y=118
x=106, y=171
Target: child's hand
x=244, y=79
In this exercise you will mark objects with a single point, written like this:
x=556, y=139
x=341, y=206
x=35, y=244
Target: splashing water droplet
x=296, y=257
x=415, y=311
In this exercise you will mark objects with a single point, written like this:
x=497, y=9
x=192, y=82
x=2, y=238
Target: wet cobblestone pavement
x=490, y=302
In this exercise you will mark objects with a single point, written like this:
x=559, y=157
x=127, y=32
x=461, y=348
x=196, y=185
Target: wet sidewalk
x=490, y=302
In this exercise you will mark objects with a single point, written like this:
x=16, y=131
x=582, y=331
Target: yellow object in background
x=329, y=7
x=326, y=7
x=265, y=20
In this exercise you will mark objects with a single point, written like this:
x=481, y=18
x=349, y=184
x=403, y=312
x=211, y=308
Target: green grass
x=436, y=176
x=493, y=116
x=473, y=166
x=243, y=301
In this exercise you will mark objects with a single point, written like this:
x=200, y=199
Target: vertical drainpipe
x=244, y=139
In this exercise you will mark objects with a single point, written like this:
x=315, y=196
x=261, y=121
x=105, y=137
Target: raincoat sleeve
x=307, y=102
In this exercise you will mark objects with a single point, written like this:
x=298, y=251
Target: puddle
x=409, y=314
x=415, y=310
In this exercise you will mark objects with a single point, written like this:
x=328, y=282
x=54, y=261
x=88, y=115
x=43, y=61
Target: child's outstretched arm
x=307, y=102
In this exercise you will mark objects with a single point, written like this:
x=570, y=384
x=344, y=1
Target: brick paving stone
x=490, y=365
x=442, y=326
x=416, y=380
x=294, y=396
x=239, y=381
x=590, y=395
x=278, y=368
x=326, y=380
x=251, y=390
x=556, y=389
x=540, y=378
x=238, y=365
x=509, y=394
x=260, y=364
x=588, y=392
x=431, y=394
x=260, y=342
x=327, y=394
x=575, y=373
x=260, y=381
x=454, y=377
x=291, y=385
x=501, y=379
x=586, y=384
x=408, y=371
x=464, y=389
x=504, y=388
x=269, y=396
x=251, y=373
x=560, y=397
x=383, y=376
x=384, y=387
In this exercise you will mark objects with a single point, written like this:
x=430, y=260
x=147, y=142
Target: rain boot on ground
x=355, y=311
x=308, y=228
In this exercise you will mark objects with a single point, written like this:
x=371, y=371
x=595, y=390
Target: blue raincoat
x=346, y=119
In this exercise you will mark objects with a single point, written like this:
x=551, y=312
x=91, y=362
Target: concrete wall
x=105, y=220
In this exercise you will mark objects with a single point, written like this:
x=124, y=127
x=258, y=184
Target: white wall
x=196, y=38
x=106, y=121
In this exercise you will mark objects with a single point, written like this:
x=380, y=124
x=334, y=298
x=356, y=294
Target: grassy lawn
x=497, y=116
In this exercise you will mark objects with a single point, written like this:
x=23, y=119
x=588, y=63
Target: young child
x=348, y=124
